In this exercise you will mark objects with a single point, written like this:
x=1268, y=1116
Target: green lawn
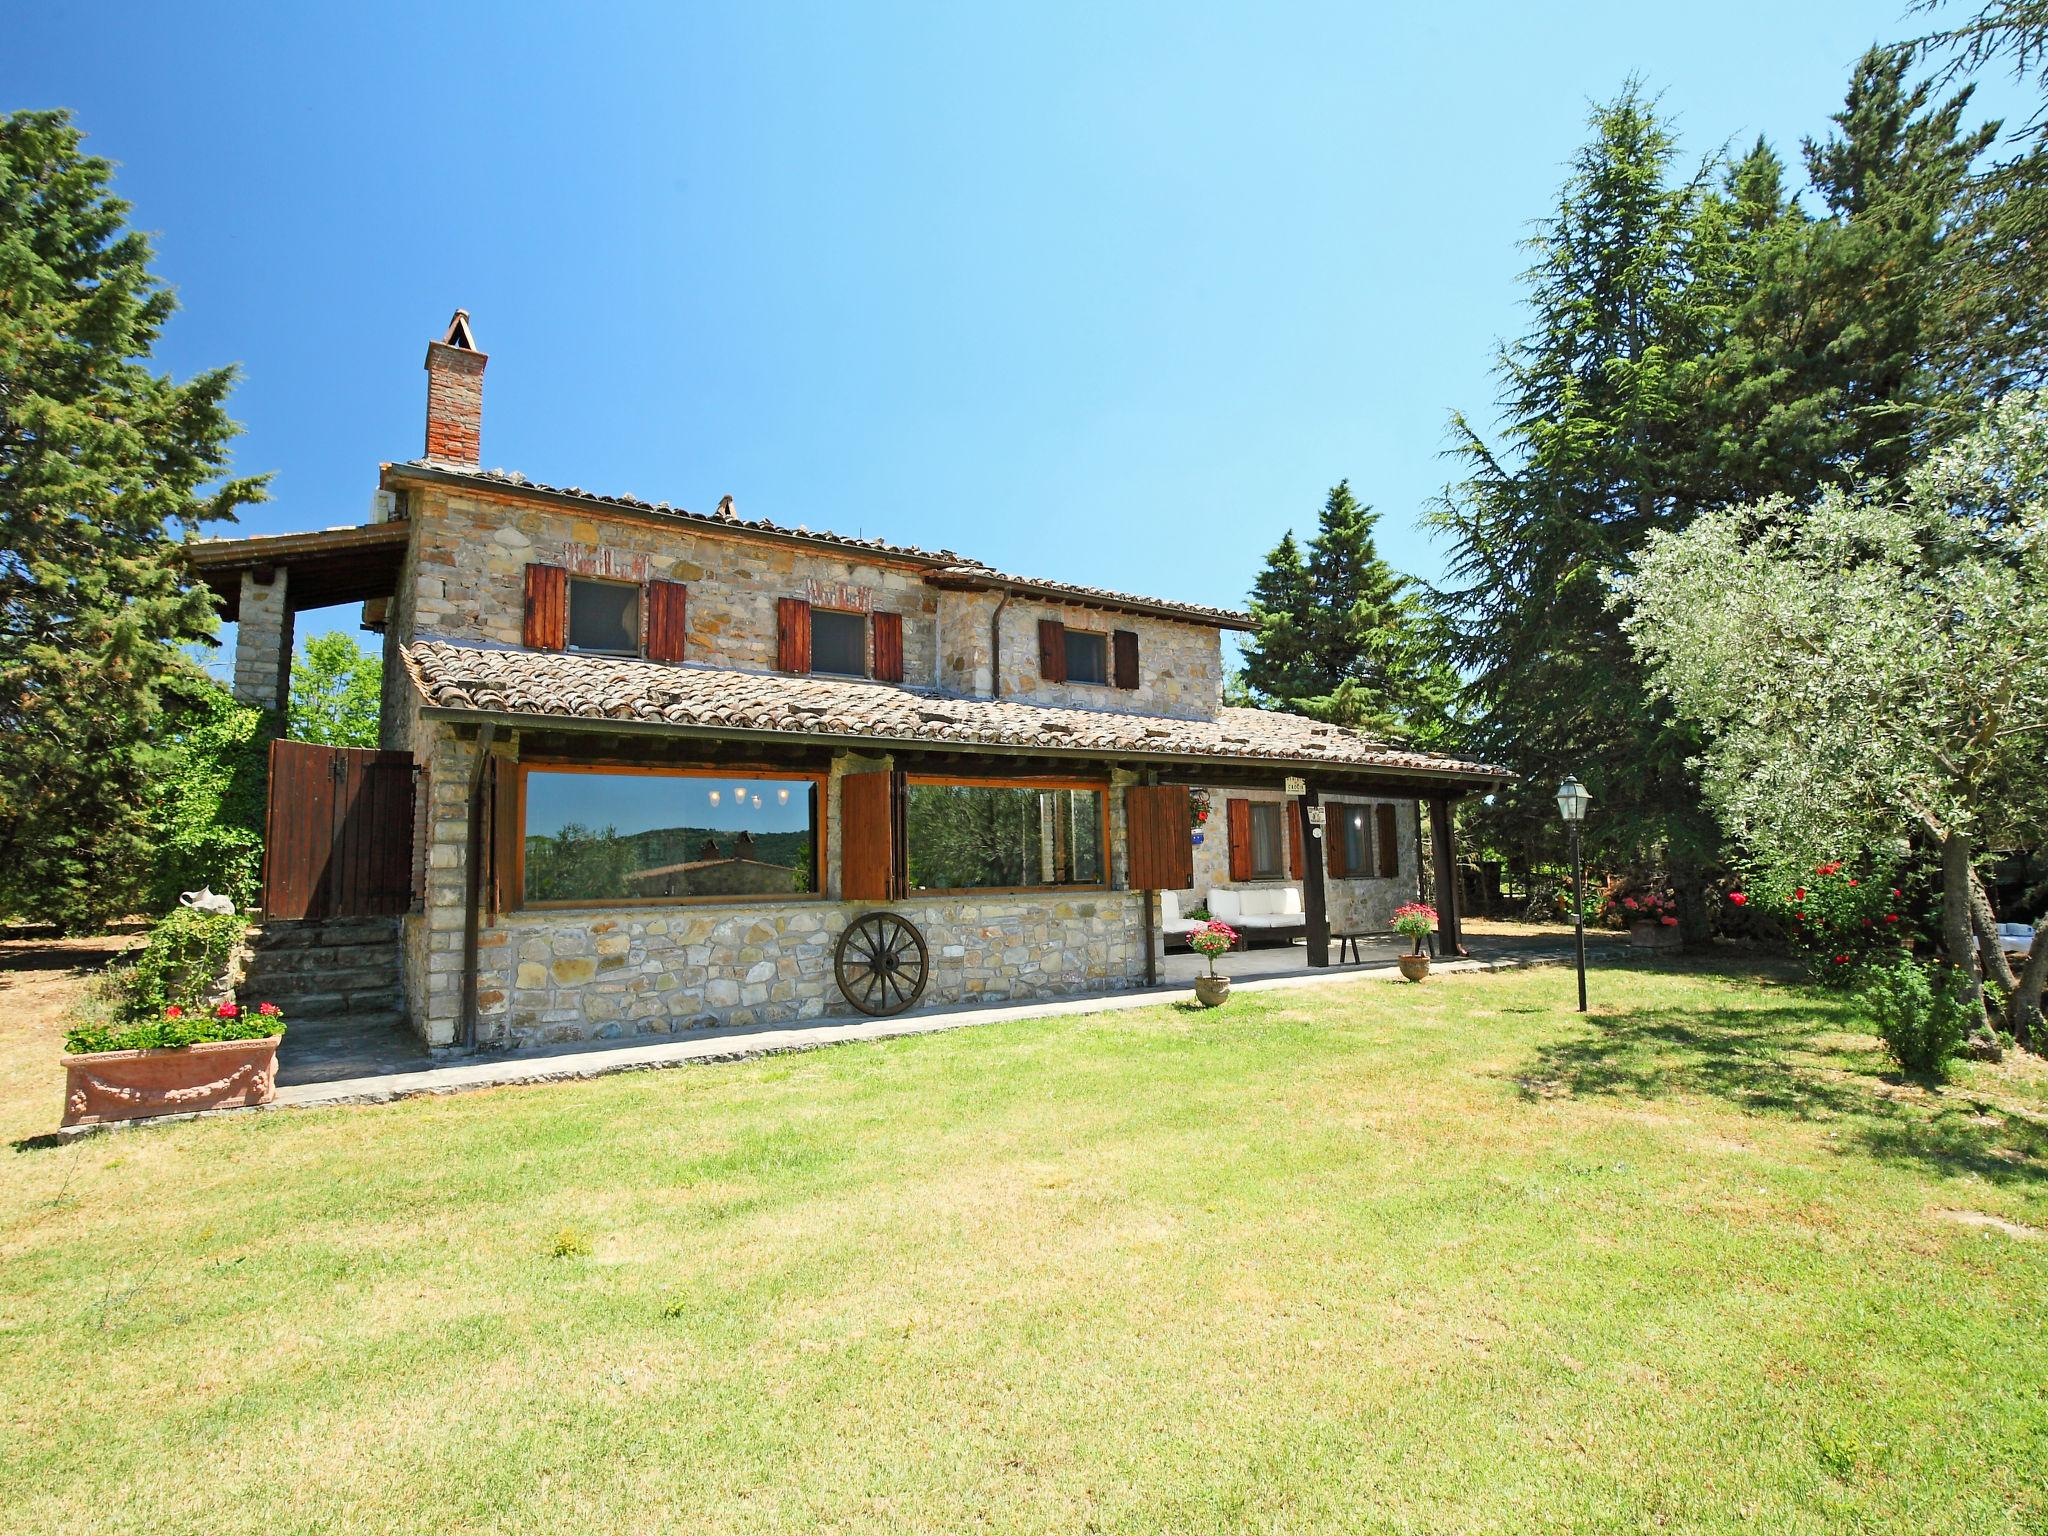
x=1365, y=1258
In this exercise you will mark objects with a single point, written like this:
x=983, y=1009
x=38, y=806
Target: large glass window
x=1087, y=657
x=991, y=836
x=604, y=616
x=839, y=642
x=604, y=837
x=1268, y=852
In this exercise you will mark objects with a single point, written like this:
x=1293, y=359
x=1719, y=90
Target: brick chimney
x=455, y=395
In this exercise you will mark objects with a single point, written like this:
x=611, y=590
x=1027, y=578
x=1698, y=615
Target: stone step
x=318, y=958
x=334, y=932
x=279, y=985
x=369, y=1003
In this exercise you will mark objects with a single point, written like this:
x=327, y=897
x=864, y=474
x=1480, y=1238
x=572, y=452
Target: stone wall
x=600, y=975
x=263, y=644
x=465, y=576
x=472, y=551
x=1180, y=666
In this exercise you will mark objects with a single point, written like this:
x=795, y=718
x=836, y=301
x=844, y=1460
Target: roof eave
x=1465, y=780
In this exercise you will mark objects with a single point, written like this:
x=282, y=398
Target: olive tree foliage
x=1872, y=667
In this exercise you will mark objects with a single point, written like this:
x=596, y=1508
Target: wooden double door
x=338, y=836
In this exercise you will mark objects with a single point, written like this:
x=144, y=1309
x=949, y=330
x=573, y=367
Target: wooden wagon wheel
x=882, y=963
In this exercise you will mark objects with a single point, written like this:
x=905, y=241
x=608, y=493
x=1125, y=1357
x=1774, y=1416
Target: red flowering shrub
x=1838, y=921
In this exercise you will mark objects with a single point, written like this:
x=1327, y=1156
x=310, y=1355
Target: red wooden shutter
x=503, y=886
x=1052, y=650
x=1126, y=645
x=1238, y=813
x=1158, y=831
x=888, y=628
x=793, y=635
x=1297, y=861
x=1389, y=850
x=547, y=607
x=867, y=839
x=1335, y=824
x=666, y=610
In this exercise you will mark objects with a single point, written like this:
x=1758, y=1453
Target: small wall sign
x=1297, y=787
x=844, y=595
x=595, y=560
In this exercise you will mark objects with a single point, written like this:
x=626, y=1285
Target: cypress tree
x=105, y=466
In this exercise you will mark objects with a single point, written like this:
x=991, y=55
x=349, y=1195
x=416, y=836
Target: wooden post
x=473, y=881
x=1444, y=846
x=1314, y=904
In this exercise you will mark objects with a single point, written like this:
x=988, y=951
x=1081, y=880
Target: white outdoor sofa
x=2016, y=939
x=1268, y=912
x=1173, y=927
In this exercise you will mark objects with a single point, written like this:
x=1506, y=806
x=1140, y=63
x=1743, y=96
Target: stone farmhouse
x=644, y=769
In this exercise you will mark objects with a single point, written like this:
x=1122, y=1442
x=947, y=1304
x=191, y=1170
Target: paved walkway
x=416, y=1073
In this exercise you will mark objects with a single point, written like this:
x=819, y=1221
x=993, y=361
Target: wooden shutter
x=888, y=642
x=667, y=603
x=1335, y=824
x=1159, y=834
x=547, y=607
x=1297, y=860
x=1052, y=650
x=793, y=635
x=1238, y=814
x=1126, y=645
x=1389, y=849
x=867, y=837
x=503, y=886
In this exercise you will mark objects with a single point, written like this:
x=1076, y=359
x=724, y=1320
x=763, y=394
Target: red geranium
x=227, y=1011
x=1738, y=898
x=174, y=1012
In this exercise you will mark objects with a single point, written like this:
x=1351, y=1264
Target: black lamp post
x=1572, y=801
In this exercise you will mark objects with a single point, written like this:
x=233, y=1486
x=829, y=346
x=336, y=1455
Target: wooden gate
x=338, y=836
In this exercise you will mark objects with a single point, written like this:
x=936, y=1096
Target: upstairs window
x=604, y=617
x=839, y=643
x=1087, y=657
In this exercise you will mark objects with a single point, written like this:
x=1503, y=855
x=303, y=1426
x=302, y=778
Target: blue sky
x=1104, y=293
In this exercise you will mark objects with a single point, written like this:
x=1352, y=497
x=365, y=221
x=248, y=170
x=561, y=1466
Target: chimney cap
x=459, y=335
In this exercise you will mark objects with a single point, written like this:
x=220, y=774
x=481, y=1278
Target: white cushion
x=1170, y=920
x=1224, y=906
x=1290, y=901
x=2015, y=938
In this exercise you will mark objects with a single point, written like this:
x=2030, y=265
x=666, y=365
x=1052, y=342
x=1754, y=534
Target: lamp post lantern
x=1572, y=801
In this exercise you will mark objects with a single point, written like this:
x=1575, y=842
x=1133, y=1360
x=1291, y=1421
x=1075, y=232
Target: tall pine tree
x=104, y=467
x=1342, y=637
x=1599, y=428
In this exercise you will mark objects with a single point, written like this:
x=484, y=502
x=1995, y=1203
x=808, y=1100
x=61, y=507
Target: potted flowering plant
x=1651, y=918
x=181, y=1061
x=1209, y=941
x=1415, y=922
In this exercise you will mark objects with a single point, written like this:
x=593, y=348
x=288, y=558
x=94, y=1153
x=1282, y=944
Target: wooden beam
x=1314, y=899
x=1443, y=839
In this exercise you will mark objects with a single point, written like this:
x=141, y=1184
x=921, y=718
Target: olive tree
x=1873, y=667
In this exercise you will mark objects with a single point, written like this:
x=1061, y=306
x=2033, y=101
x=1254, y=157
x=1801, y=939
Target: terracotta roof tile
x=552, y=684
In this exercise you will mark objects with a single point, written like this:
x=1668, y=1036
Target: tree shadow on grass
x=1791, y=1052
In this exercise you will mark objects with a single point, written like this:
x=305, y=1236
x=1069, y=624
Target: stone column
x=263, y=643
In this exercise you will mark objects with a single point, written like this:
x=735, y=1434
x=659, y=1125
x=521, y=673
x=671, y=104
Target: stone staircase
x=342, y=971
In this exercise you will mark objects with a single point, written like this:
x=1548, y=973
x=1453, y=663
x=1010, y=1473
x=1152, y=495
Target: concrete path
x=585, y=1060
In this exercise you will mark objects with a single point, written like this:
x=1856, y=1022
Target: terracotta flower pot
x=1212, y=991
x=1414, y=967
x=1648, y=933
x=134, y=1085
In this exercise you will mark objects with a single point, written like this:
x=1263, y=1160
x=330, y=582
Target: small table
x=1349, y=941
